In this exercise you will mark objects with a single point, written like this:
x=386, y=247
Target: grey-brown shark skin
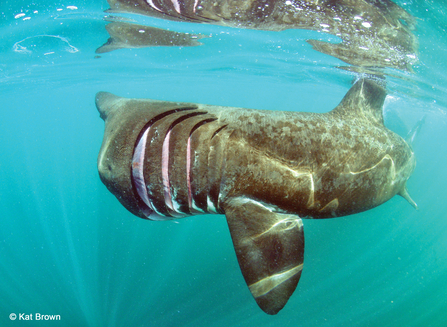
x=125, y=35
x=265, y=170
x=374, y=33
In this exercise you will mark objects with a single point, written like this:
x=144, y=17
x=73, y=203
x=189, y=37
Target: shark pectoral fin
x=269, y=248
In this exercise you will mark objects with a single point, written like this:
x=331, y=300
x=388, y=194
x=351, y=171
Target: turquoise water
x=68, y=248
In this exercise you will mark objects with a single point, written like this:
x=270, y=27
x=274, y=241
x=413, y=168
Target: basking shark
x=264, y=170
x=373, y=33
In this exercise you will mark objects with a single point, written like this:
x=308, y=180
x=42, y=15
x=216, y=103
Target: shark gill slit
x=214, y=190
x=137, y=167
x=138, y=182
x=176, y=5
x=165, y=164
x=183, y=10
x=192, y=207
x=152, y=4
x=194, y=8
x=186, y=10
x=218, y=130
x=168, y=7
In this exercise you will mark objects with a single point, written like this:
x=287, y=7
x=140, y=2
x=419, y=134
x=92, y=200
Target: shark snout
x=105, y=168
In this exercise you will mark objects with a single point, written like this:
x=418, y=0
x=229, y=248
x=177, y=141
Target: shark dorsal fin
x=270, y=250
x=364, y=100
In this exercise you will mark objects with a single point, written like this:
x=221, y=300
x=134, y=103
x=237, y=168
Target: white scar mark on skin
x=284, y=222
x=267, y=284
x=165, y=171
x=282, y=225
x=298, y=173
x=311, y=201
x=239, y=201
x=152, y=4
x=331, y=206
x=386, y=157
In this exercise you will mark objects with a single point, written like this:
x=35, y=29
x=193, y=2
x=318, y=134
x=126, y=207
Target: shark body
x=265, y=170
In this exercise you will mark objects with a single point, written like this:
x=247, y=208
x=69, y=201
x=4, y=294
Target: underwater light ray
x=32, y=246
x=72, y=256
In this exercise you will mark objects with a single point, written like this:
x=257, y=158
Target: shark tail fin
x=269, y=248
x=404, y=193
x=412, y=134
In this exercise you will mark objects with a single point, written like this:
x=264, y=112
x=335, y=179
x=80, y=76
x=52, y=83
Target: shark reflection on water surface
x=374, y=33
x=124, y=35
